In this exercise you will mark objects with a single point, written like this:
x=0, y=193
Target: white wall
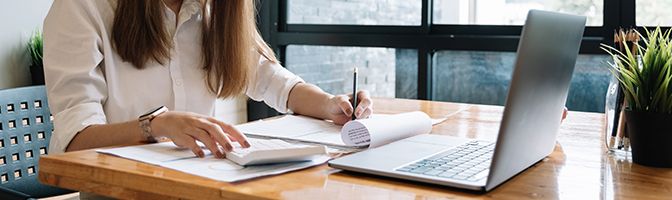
x=18, y=20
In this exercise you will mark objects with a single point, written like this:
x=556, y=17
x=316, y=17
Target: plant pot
x=37, y=74
x=650, y=138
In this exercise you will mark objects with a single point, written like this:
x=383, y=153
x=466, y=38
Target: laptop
x=544, y=65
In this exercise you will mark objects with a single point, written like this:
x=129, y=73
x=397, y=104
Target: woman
x=108, y=62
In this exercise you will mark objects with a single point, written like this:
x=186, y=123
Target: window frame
x=272, y=21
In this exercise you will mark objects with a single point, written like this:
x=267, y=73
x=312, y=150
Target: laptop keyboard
x=469, y=162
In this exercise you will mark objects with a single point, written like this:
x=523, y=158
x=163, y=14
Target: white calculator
x=271, y=151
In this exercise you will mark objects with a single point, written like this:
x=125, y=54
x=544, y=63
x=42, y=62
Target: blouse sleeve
x=272, y=83
x=75, y=82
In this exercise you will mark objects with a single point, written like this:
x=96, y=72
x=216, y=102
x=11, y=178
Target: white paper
x=296, y=128
x=168, y=155
x=311, y=130
x=375, y=132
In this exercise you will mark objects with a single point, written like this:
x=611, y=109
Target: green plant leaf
x=35, y=48
x=644, y=70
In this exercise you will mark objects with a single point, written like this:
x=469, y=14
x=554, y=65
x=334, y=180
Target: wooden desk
x=579, y=168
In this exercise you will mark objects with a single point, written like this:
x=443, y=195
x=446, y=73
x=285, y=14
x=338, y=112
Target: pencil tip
x=355, y=69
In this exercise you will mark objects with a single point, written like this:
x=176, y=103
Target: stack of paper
x=170, y=156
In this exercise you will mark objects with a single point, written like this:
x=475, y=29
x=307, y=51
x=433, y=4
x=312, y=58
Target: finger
x=364, y=104
x=228, y=141
x=365, y=114
x=203, y=136
x=232, y=131
x=190, y=143
x=363, y=94
x=214, y=131
x=344, y=104
x=179, y=143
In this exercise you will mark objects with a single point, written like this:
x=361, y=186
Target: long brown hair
x=230, y=39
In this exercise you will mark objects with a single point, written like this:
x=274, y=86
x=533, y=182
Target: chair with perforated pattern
x=25, y=129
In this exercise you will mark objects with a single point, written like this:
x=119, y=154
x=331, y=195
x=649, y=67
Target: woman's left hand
x=340, y=107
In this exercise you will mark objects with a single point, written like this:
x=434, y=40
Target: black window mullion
x=282, y=9
x=425, y=56
x=456, y=29
x=425, y=77
x=612, y=19
x=427, y=18
x=627, y=13
x=363, y=29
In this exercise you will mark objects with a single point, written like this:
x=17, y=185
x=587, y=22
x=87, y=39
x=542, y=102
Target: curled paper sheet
x=378, y=131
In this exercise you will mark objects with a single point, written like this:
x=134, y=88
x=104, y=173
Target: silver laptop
x=544, y=65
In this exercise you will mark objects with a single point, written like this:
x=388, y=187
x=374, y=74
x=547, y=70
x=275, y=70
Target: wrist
x=147, y=128
x=329, y=103
x=156, y=124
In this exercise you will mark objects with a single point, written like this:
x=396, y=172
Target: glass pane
x=511, y=12
x=385, y=72
x=359, y=12
x=483, y=78
x=654, y=12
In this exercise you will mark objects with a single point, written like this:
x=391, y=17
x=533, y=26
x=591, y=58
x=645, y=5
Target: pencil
x=354, y=93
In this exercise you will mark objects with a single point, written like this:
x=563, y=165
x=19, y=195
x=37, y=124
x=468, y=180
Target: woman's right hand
x=185, y=128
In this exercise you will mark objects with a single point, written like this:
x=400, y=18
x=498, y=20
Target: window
x=483, y=77
x=385, y=72
x=510, y=12
x=654, y=12
x=438, y=49
x=472, y=76
x=360, y=12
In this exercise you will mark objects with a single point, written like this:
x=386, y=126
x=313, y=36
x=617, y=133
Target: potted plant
x=35, y=50
x=645, y=74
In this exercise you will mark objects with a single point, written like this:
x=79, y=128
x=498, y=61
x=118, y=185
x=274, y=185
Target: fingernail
x=201, y=154
x=247, y=144
x=228, y=147
x=219, y=154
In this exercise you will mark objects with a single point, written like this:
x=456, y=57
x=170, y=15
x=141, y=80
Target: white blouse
x=88, y=82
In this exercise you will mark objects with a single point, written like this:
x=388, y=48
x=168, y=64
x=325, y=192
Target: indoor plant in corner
x=35, y=50
x=645, y=74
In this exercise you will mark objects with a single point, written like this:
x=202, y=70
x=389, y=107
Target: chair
x=25, y=130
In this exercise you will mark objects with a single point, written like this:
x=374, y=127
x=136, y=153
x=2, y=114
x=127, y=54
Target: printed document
x=166, y=154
